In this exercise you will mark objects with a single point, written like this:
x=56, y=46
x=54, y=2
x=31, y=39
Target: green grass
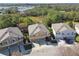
x=77, y=38
x=38, y=19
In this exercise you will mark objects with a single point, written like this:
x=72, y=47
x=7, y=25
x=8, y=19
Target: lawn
x=77, y=38
x=38, y=19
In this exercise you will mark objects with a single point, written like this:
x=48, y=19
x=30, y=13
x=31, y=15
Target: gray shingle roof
x=77, y=25
x=58, y=27
x=35, y=28
x=10, y=31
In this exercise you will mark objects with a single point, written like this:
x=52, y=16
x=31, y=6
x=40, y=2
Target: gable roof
x=77, y=25
x=35, y=28
x=58, y=27
x=10, y=31
x=77, y=28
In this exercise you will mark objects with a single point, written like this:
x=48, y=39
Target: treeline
x=44, y=9
x=51, y=13
x=55, y=13
x=13, y=20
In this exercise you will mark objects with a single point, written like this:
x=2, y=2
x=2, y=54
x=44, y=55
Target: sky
x=39, y=1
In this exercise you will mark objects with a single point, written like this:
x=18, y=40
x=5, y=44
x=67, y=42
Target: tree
x=70, y=23
x=53, y=17
x=24, y=23
x=8, y=21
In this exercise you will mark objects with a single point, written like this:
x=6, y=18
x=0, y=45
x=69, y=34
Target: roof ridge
x=15, y=33
x=68, y=26
x=60, y=27
x=65, y=25
x=38, y=26
x=4, y=34
x=35, y=29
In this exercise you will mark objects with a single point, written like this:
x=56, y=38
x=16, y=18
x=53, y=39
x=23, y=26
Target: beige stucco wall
x=77, y=30
x=53, y=31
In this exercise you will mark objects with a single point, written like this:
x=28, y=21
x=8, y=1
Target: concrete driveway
x=14, y=50
x=62, y=49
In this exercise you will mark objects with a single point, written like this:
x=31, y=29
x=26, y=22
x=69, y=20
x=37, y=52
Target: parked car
x=69, y=41
x=28, y=46
x=54, y=41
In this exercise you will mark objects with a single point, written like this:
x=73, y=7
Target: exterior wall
x=53, y=31
x=66, y=34
x=1, y=49
x=77, y=30
x=35, y=38
x=40, y=41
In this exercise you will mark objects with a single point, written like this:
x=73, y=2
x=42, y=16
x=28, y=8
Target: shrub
x=77, y=38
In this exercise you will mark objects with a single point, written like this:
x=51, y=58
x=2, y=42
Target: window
x=0, y=43
x=20, y=38
x=13, y=40
x=4, y=43
x=67, y=33
x=62, y=33
x=58, y=33
x=72, y=33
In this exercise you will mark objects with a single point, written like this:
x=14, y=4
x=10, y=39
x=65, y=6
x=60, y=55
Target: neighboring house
x=63, y=31
x=77, y=28
x=37, y=31
x=10, y=36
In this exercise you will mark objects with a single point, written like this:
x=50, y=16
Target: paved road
x=44, y=51
x=55, y=51
x=62, y=49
